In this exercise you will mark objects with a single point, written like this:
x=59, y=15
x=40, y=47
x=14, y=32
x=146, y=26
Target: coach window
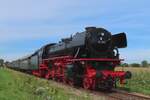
x=40, y=53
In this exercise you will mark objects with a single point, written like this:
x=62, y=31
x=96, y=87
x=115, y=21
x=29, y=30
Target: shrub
x=144, y=63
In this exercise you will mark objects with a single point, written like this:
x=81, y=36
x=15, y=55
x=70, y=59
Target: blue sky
x=26, y=25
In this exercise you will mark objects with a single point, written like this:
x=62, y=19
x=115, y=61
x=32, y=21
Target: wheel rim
x=86, y=83
x=64, y=80
x=71, y=83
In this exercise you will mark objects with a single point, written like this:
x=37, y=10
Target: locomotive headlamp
x=102, y=38
x=102, y=34
x=82, y=62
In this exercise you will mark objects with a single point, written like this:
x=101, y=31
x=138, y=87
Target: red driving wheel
x=71, y=83
x=87, y=83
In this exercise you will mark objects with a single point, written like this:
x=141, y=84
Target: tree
x=7, y=63
x=1, y=62
x=144, y=63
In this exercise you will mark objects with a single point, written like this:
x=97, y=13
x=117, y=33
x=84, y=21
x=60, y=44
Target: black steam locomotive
x=87, y=59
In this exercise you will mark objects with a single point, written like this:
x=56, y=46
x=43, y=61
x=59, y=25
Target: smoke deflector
x=119, y=40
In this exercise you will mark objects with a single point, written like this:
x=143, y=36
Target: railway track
x=123, y=95
x=119, y=95
x=115, y=94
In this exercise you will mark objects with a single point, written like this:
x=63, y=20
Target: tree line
x=3, y=62
x=143, y=63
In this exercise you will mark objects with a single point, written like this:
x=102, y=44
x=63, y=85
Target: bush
x=144, y=63
x=1, y=62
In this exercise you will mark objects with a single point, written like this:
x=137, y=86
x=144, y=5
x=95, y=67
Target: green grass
x=18, y=86
x=140, y=81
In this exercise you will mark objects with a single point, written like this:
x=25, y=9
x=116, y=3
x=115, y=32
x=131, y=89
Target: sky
x=26, y=25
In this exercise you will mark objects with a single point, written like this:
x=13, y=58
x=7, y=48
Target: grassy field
x=140, y=81
x=18, y=86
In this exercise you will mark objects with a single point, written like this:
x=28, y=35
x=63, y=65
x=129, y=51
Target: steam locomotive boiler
x=85, y=59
